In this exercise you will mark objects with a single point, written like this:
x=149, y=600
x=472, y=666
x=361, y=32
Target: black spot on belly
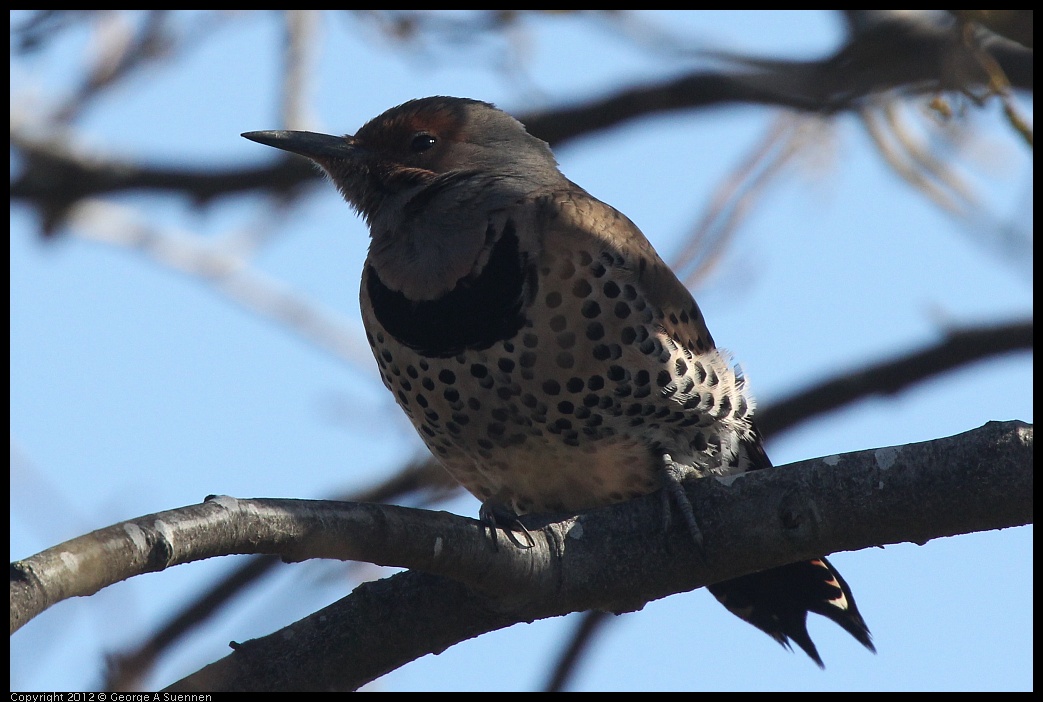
x=480, y=311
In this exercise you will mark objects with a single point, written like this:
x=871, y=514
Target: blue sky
x=137, y=388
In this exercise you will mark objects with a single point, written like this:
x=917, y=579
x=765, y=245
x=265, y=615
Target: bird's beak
x=318, y=147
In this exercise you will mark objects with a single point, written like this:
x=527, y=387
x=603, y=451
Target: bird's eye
x=422, y=142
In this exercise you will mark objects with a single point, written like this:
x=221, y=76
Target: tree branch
x=898, y=53
x=894, y=54
x=959, y=348
x=613, y=559
x=54, y=176
x=618, y=558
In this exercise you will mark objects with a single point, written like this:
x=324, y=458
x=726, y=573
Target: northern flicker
x=541, y=347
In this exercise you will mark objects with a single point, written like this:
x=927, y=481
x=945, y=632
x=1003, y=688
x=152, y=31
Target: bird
x=543, y=350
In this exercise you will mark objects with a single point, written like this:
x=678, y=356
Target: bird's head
x=419, y=143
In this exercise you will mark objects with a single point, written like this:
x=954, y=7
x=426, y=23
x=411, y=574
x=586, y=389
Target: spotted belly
x=513, y=429
x=578, y=406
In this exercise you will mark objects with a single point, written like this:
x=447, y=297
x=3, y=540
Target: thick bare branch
x=612, y=559
x=127, y=668
x=617, y=559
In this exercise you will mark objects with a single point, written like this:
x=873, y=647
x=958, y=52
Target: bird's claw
x=494, y=516
x=673, y=495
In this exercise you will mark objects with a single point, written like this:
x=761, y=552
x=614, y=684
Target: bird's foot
x=496, y=515
x=674, y=496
